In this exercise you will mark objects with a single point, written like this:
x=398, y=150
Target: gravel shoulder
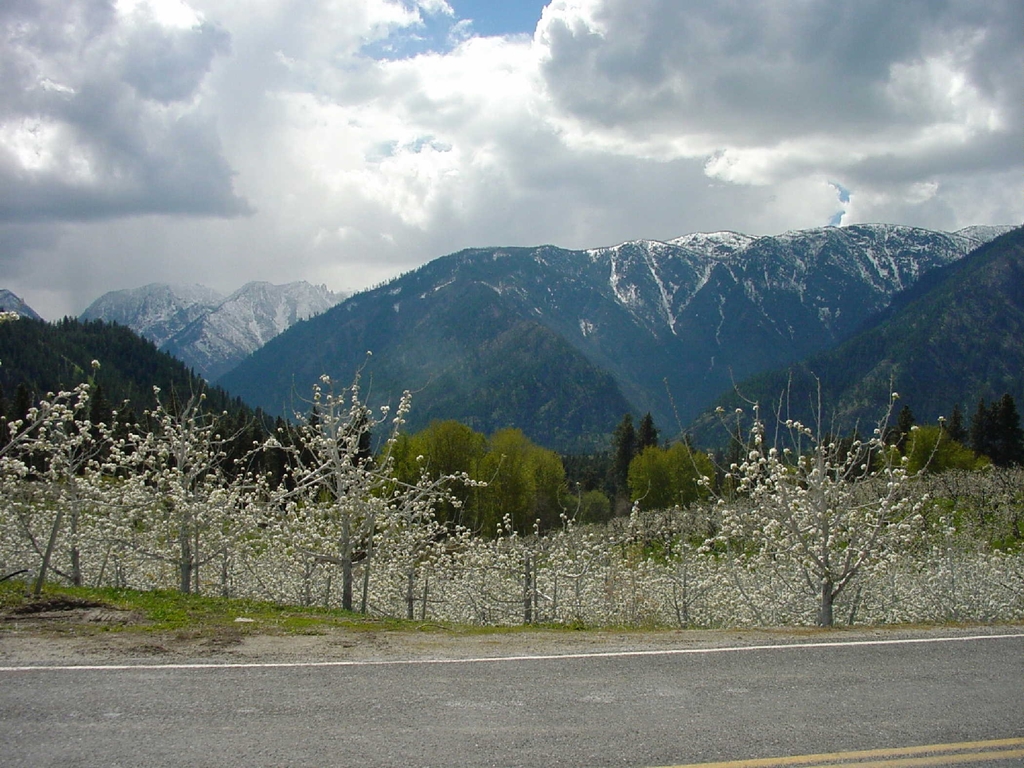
x=87, y=636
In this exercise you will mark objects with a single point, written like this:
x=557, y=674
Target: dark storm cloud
x=985, y=155
x=617, y=119
x=757, y=73
x=169, y=65
x=102, y=115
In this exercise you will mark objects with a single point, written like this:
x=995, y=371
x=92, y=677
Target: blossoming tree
x=830, y=509
x=338, y=496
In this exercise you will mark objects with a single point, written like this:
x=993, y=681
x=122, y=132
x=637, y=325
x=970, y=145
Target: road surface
x=665, y=707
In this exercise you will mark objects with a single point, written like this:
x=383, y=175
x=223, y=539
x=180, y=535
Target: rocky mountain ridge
x=673, y=323
x=11, y=303
x=952, y=339
x=156, y=311
x=207, y=331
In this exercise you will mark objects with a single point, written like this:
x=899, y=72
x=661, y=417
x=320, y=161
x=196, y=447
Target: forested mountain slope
x=47, y=357
x=469, y=354
x=672, y=324
x=956, y=337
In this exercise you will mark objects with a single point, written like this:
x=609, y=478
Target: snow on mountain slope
x=156, y=311
x=653, y=280
x=821, y=271
x=717, y=244
x=243, y=322
x=841, y=273
x=9, y=302
x=674, y=323
x=979, y=235
x=204, y=329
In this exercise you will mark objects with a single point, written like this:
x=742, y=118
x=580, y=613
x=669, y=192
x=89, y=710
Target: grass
x=201, y=616
x=207, y=618
x=167, y=610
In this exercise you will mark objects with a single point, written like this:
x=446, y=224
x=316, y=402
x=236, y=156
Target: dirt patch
x=71, y=632
x=64, y=611
x=52, y=604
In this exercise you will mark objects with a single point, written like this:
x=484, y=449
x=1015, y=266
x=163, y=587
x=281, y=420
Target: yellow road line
x=953, y=759
x=932, y=754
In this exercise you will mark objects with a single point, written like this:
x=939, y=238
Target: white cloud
x=130, y=147
x=102, y=116
x=167, y=13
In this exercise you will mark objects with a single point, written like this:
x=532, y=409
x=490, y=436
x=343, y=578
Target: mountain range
x=955, y=337
x=11, y=303
x=561, y=343
x=209, y=332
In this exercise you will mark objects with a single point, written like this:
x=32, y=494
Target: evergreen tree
x=955, y=426
x=4, y=433
x=275, y=460
x=904, y=423
x=100, y=411
x=22, y=402
x=981, y=428
x=647, y=434
x=624, y=443
x=239, y=435
x=1006, y=439
x=591, y=472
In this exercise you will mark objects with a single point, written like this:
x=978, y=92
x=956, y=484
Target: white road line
x=499, y=659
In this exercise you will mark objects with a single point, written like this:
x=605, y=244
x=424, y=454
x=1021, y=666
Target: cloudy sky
x=347, y=141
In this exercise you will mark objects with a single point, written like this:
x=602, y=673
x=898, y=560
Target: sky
x=345, y=142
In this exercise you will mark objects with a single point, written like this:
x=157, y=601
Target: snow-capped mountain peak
x=673, y=323
x=979, y=235
x=9, y=302
x=716, y=244
x=204, y=329
x=246, y=320
x=156, y=311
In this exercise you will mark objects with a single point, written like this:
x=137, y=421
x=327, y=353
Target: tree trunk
x=346, y=581
x=410, y=595
x=527, y=590
x=185, y=564
x=76, y=567
x=827, y=595
x=76, y=555
x=346, y=563
x=50, y=546
x=364, y=602
x=103, y=566
x=195, y=563
x=307, y=581
x=225, y=575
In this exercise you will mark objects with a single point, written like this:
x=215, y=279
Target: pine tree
x=904, y=423
x=4, y=434
x=647, y=434
x=955, y=426
x=100, y=411
x=22, y=402
x=981, y=429
x=1006, y=441
x=624, y=442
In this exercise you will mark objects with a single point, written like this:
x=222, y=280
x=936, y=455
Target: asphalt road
x=640, y=709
